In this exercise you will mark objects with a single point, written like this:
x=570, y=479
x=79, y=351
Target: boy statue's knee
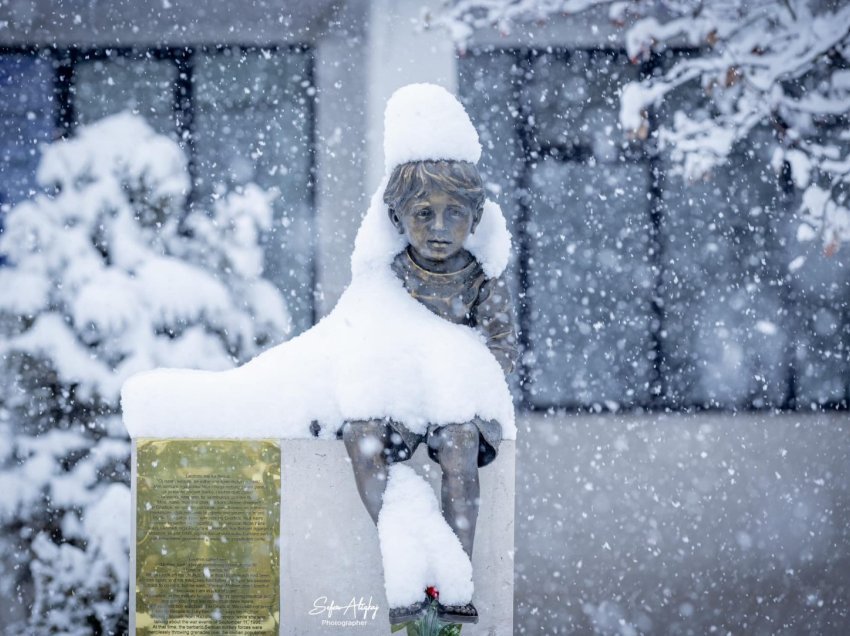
x=460, y=438
x=363, y=429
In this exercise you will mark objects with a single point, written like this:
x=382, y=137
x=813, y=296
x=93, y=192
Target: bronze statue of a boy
x=436, y=205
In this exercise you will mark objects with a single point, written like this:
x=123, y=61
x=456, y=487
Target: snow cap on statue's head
x=426, y=122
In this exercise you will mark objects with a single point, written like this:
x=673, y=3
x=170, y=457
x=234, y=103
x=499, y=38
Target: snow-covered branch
x=761, y=63
x=463, y=17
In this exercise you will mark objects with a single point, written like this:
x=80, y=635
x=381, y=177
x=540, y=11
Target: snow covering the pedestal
x=380, y=353
x=419, y=549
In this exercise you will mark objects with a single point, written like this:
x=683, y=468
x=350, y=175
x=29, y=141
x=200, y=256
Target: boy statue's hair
x=412, y=180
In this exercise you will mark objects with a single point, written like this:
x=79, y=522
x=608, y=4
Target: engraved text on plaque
x=207, y=537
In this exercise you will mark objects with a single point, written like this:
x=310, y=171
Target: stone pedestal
x=330, y=552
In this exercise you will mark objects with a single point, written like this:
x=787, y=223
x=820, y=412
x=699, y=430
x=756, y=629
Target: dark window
x=242, y=114
x=107, y=82
x=636, y=289
x=26, y=120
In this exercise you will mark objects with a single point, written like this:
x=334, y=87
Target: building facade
x=644, y=301
x=638, y=291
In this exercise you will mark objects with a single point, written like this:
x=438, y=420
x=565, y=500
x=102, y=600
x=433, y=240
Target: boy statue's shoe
x=412, y=612
x=457, y=613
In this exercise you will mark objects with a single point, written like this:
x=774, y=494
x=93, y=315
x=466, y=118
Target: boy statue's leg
x=366, y=442
x=372, y=446
x=456, y=447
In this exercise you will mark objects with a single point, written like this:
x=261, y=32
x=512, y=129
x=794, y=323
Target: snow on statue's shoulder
x=380, y=353
x=491, y=242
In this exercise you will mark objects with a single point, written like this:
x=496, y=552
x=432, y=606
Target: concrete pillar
x=400, y=53
x=329, y=545
x=341, y=76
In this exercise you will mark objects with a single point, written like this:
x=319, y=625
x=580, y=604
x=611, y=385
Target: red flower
x=432, y=592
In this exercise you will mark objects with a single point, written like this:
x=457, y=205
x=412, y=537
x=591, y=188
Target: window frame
x=661, y=401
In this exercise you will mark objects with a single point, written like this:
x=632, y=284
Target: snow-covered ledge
x=330, y=551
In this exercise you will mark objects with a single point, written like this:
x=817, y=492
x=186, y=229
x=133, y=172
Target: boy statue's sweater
x=465, y=297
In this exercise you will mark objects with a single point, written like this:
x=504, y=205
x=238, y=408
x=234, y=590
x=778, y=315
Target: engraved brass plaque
x=207, y=537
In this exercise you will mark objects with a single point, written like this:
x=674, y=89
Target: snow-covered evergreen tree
x=108, y=275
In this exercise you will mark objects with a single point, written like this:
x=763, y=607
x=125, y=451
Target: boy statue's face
x=436, y=225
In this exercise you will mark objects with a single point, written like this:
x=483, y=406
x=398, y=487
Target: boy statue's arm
x=494, y=316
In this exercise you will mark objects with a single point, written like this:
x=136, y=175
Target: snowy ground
x=710, y=524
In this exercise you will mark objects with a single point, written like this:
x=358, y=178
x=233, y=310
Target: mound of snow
x=418, y=547
x=426, y=122
x=380, y=353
